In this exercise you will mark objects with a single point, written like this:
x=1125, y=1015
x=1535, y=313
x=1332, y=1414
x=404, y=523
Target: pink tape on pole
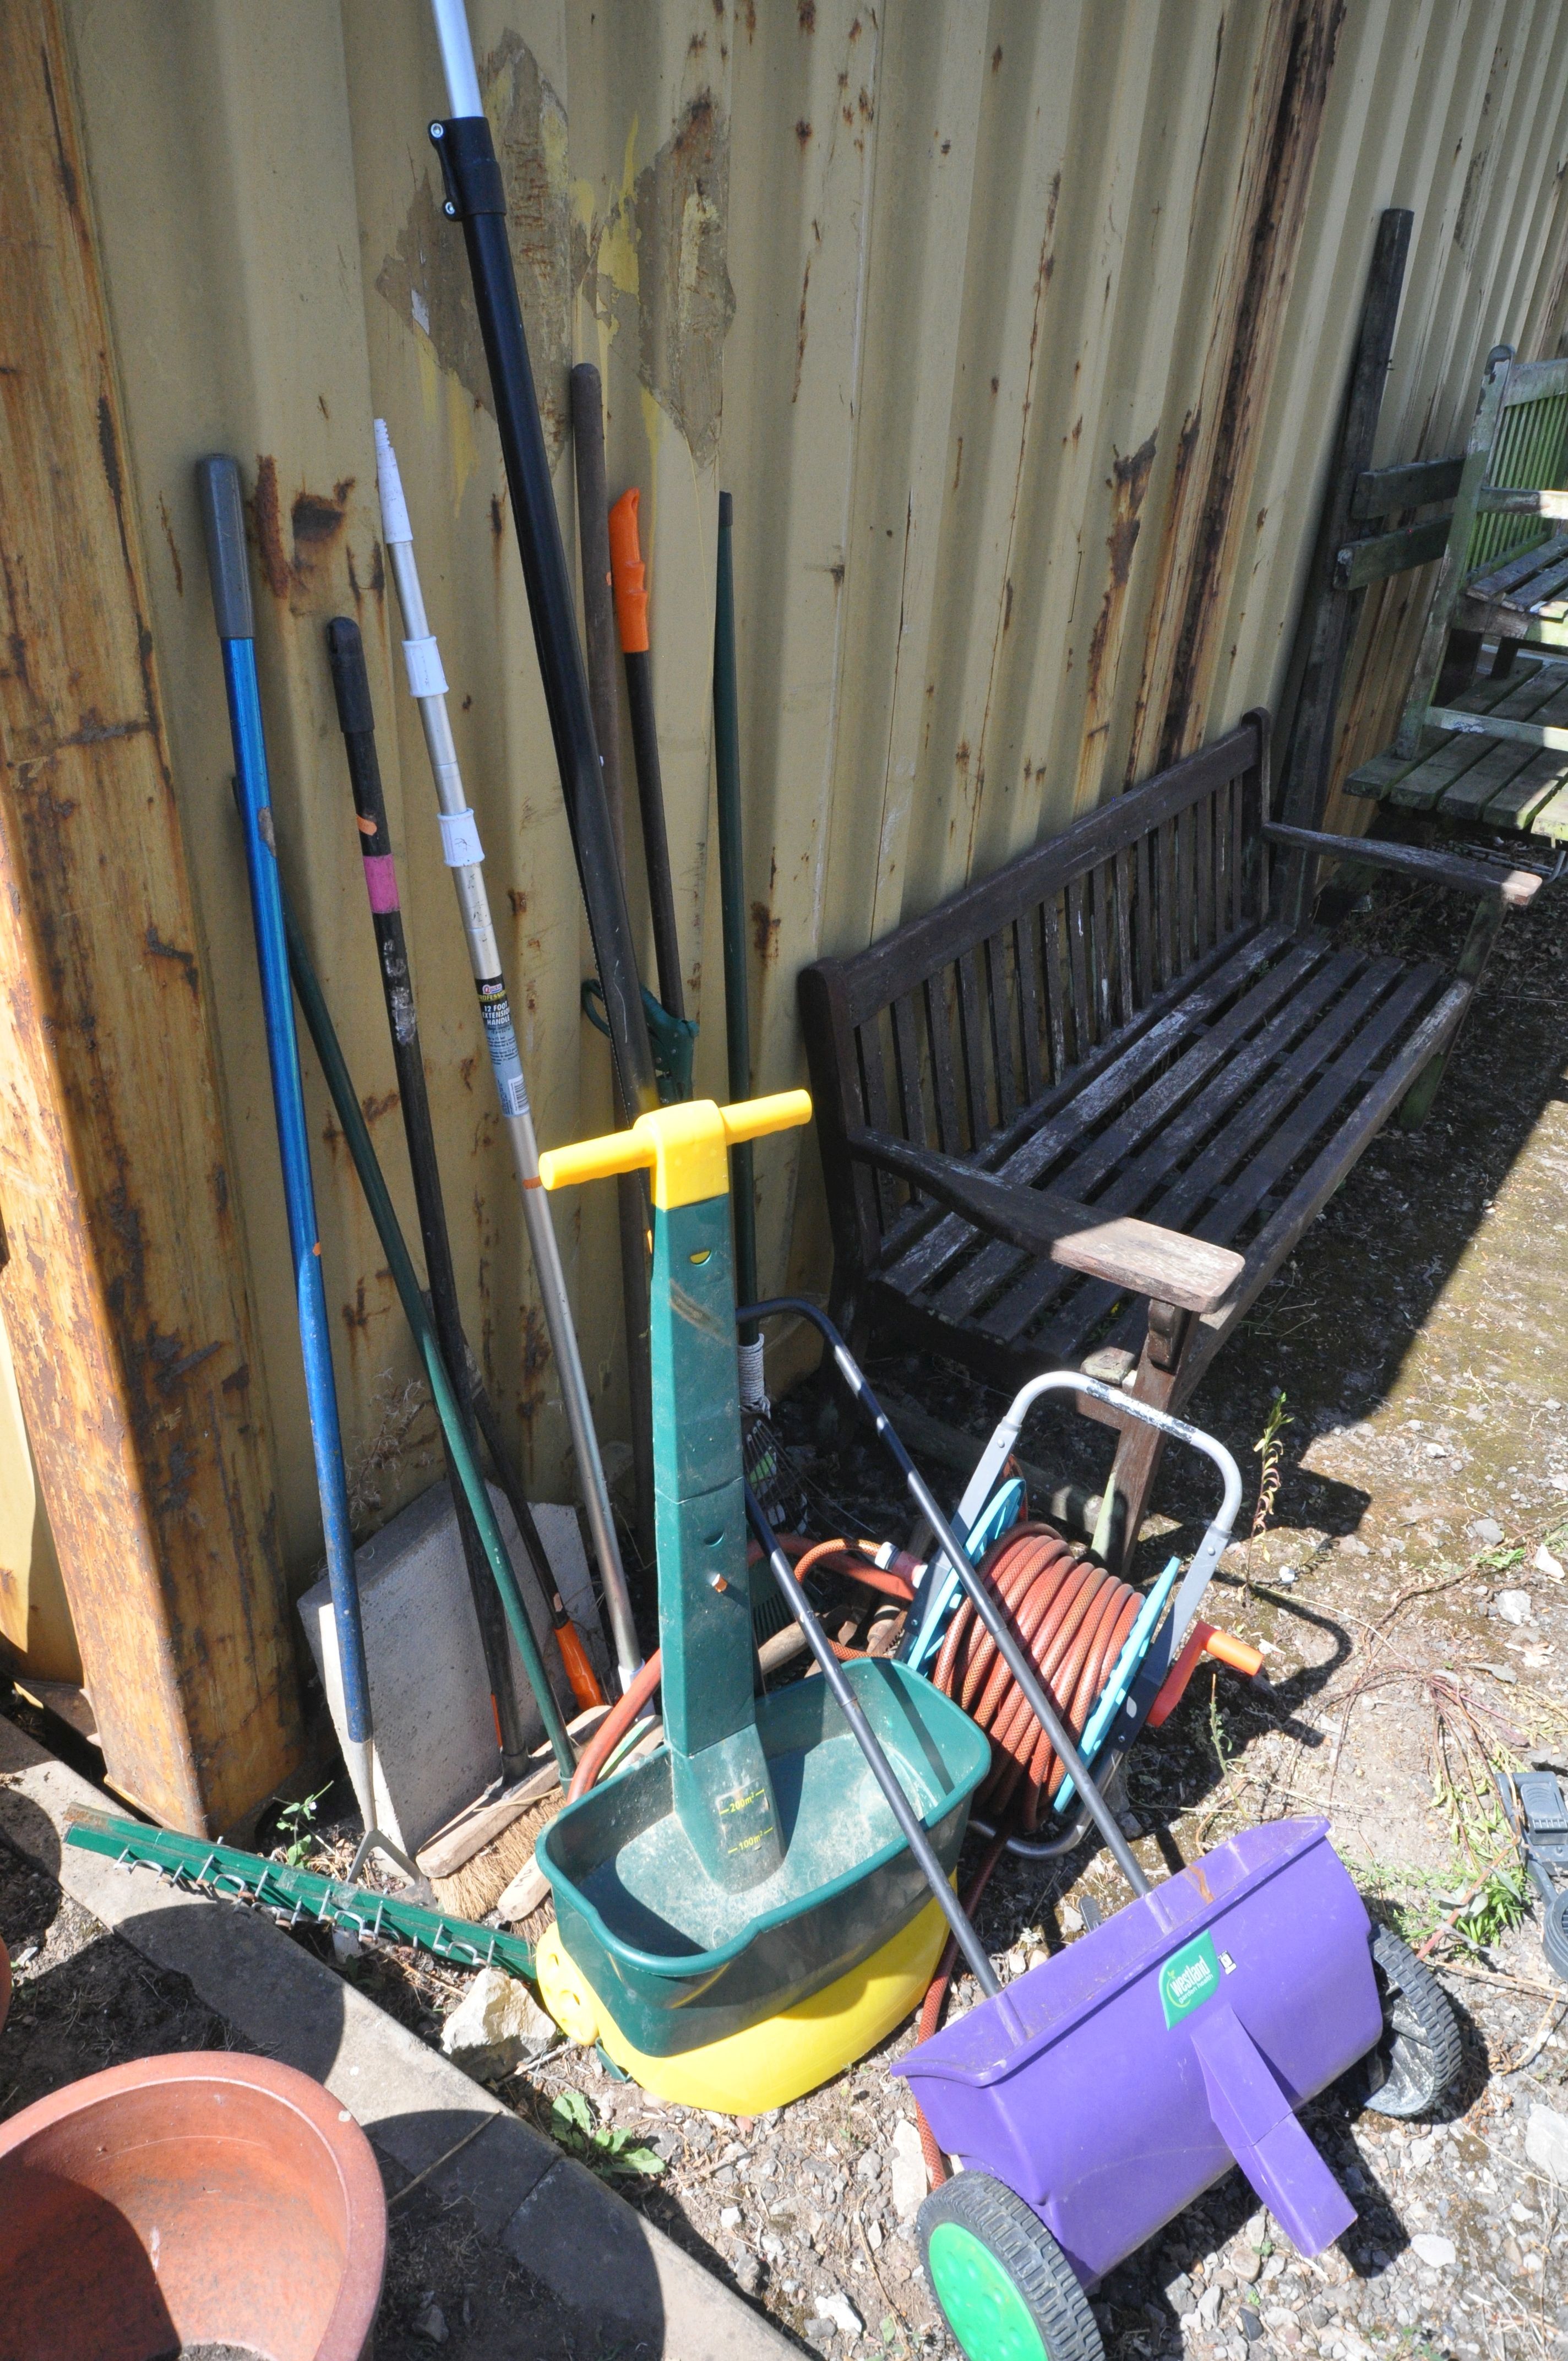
x=381, y=882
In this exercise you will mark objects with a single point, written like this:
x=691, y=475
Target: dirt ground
x=1418, y=1340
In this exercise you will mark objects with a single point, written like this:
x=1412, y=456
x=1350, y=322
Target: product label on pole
x=505, y=1063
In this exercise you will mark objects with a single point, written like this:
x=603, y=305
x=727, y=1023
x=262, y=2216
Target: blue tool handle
x=223, y=521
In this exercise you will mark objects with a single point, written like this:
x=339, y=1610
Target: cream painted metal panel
x=1018, y=331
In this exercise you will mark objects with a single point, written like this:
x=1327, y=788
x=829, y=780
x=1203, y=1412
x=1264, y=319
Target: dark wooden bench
x=1021, y=1095
x=1474, y=755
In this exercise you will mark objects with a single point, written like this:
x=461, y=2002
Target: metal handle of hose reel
x=1217, y=1536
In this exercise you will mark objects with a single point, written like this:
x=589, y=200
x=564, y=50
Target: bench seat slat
x=1081, y=1105
x=1156, y=1106
x=1206, y=1120
x=1175, y=1199
x=1431, y=776
x=1506, y=577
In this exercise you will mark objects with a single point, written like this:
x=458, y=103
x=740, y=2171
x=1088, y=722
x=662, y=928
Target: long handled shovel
x=465, y=856
x=351, y=686
x=629, y=575
x=222, y=521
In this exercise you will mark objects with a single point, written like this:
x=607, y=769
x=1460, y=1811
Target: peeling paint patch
x=425, y=277
x=685, y=301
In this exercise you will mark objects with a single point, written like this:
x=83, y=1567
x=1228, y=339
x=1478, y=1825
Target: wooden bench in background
x=1021, y=1096
x=1473, y=754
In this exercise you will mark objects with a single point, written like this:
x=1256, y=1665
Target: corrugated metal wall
x=1018, y=332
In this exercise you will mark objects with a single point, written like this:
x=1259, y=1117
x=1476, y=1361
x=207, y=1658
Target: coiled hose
x=1072, y=1617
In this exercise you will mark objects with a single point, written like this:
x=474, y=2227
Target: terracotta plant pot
x=200, y=2201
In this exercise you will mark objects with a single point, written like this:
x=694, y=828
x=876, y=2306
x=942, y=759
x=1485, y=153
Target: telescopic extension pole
x=476, y=196
x=356, y=719
x=732, y=910
x=630, y=576
x=465, y=856
x=453, y=1427
x=223, y=521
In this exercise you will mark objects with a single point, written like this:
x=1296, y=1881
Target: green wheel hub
x=984, y=2309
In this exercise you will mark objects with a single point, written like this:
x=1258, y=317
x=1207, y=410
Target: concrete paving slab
x=426, y=2118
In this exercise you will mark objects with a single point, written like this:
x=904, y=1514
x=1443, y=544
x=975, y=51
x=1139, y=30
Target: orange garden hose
x=1072, y=1617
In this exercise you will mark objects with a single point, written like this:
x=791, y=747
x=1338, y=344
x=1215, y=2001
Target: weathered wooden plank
x=1516, y=804
x=1026, y=968
x=1431, y=776
x=1086, y=1170
x=1080, y=1238
x=944, y=1092
x=1080, y=990
x=1503, y=580
x=1161, y=1143
x=1179, y=1194
x=1001, y=1009
x=1081, y=1102
x=904, y=1021
x=971, y=1043
x=1329, y=615
x=123, y=1297
x=1164, y=844
x=1293, y=1138
x=903, y=959
x=1416, y=484
x=1144, y=920
x=1126, y=994
x=1056, y=985
x=1382, y=554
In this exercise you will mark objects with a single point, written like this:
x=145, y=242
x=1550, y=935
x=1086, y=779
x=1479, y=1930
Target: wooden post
x=1330, y=613
x=123, y=1295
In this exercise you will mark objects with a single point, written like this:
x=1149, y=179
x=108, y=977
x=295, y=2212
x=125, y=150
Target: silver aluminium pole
x=464, y=854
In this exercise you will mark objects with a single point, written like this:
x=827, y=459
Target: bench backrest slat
x=952, y=1028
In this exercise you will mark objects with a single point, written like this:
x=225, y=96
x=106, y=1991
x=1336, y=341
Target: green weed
x=296, y=1824
x=606, y=2150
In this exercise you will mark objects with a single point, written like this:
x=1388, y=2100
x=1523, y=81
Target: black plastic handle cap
x=223, y=524
x=351, y=686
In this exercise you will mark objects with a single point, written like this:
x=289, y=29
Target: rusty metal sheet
x=1018, y=332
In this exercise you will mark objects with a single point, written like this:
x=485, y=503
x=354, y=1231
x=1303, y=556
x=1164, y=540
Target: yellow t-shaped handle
x=687, y=1147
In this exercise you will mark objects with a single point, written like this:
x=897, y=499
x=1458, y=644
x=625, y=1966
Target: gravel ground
x=1417, y=1338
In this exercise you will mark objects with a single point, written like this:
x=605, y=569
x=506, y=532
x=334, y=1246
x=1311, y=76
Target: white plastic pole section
x=464, y=854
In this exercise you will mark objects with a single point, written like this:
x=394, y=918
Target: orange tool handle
x=1203, y=1639
x=629, y=575
x=574, y=1657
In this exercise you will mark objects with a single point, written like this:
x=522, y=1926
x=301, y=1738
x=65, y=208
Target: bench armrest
x=1506, y=499
x=1517, y=887
x=1135, y=1255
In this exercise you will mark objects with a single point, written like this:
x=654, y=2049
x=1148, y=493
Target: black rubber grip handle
x=351, y=686
x=223, y=524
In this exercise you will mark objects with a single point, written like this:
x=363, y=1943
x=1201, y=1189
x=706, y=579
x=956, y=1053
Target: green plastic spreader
x=750, y=1862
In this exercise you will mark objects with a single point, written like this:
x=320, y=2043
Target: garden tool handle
x=686, y=1146
x=629, y=575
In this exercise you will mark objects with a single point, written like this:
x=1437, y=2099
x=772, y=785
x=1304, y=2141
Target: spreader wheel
x=1554, y=1934
x=1007, y=2290
x=1418, y=2056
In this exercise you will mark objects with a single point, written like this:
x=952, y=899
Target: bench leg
x=1458, y=666
x=1141, y=1448
x=1416, y=1104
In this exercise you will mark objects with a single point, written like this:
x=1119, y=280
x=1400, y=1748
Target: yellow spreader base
x=779, y=2058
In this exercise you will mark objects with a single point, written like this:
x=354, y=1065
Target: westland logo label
x=1188, y=1978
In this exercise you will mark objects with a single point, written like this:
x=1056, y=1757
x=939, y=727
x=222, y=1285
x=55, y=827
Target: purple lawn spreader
x=1102, y=2091
x=1113, y=2084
